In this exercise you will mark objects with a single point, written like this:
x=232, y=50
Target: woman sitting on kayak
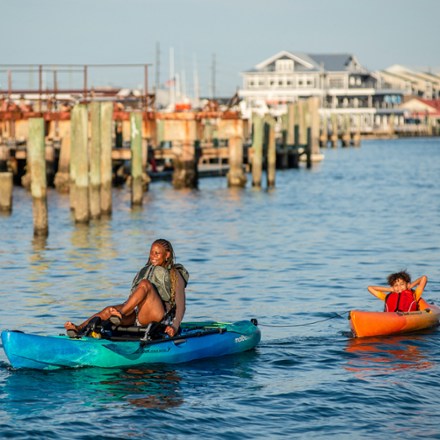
x=157, y=291
x=399, y=296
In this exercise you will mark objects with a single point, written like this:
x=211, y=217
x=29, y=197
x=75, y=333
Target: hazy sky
x=239, y=33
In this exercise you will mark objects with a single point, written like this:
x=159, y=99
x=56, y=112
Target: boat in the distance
x=129, y=346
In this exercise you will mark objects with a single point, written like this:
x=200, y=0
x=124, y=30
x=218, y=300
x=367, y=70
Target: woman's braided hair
x=170, y=265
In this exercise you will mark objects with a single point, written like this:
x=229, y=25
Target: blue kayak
x=197, y=340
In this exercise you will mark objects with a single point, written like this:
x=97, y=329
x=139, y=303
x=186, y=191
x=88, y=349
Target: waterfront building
x=345, y=87
x=424, y=85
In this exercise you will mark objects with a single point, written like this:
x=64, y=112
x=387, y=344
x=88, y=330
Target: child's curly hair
x=402, y=275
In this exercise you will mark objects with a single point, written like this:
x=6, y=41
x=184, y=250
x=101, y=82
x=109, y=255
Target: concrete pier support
x=6, y=186
x=36, y=158
x=106, y=157
x=257, y=146
x=136, y=159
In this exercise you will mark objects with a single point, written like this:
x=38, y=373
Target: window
x=336, y=83
x=284, y=65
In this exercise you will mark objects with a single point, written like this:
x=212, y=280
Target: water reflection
x=39, y=244
x=386, y=355
x=147, y=388
x=25, y=392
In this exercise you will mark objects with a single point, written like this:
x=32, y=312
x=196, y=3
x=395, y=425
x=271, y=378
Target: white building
x=344, y=87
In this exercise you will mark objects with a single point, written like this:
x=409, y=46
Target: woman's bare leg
x=147, y=300
x=103, y=314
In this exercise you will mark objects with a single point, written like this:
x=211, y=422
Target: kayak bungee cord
x=336, y=315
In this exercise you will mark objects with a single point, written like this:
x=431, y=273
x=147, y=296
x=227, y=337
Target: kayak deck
x=196, y=341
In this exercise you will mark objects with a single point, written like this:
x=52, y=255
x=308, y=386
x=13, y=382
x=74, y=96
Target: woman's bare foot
x=72, y=330
x=71, y=326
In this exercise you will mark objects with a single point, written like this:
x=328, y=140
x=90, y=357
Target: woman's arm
x=379, y=291
x=420, y=283
x=180, y=299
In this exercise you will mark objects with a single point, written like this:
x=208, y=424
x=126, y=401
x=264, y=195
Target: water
x=297, y=258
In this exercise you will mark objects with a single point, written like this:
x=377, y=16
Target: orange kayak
x=392, y=323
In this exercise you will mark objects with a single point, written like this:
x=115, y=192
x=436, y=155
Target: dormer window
x=284, y=65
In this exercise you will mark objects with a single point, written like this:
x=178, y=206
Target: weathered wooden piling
x=356, y=136
x=283, y=161
x=36, y=158
x=346, y=135
x=6, y=186
x=74, y=115
x=160, y=136
x=308, y=148
x=61, y=181
x=295, y=127
x=81, y=161
x=271, y=151
x=313, y=110
x=257, y=147
x=335, y=135
x=136, y=159
x=106, y=157
x=323, y=138
x=302, y=109
x=233, y=130
x=95, y=160
x=182, y=132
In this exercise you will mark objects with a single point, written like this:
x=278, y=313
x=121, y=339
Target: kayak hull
x=364, y=324
x=53, y=352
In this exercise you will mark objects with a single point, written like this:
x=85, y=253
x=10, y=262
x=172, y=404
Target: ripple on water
x=296, y=258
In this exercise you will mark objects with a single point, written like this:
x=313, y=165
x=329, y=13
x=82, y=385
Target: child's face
x=400, y=285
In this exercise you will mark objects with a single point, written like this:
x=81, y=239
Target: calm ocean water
x=297, y=258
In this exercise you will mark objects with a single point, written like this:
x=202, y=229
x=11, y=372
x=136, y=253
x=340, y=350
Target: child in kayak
x=158, y=289
x=399, y=296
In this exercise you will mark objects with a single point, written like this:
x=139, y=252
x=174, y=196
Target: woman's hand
x=170, y=331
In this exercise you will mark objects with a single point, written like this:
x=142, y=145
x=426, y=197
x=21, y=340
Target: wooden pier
x=181, y=141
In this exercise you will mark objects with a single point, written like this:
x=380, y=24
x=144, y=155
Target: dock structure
x=179, y=143
x=96, y=137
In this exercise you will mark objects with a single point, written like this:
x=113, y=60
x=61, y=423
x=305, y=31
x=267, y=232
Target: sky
x=200, y=37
